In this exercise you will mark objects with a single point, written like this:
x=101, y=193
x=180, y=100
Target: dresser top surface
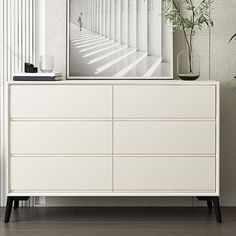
x=116, y=82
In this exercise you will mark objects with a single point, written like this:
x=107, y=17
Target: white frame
x=68, y=77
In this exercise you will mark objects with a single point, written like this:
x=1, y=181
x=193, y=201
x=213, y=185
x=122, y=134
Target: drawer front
x=61, y=101
x=168, y=137
x=164, y=101
x=61, y=174
x=177, y=174
x=61, y=137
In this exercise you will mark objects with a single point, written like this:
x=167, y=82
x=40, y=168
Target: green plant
x=187, y=17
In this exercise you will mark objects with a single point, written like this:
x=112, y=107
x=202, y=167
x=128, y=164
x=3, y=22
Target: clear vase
x=46, y=63
x=188, y=64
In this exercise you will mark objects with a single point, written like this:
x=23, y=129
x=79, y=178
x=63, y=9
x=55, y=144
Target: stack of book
x=37, y=76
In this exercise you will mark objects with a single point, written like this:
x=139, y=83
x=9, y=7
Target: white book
x=39, y=74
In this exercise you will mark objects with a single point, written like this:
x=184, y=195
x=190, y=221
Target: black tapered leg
x=16, y=204
x=10, y=201
x=216, y=203
x=209, y=204
x=8, y=209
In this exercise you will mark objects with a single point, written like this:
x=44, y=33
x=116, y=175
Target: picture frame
x=118, y=39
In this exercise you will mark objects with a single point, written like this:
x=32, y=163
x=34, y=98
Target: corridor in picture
x=116, y=38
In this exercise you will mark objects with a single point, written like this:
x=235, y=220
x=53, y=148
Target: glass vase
x=188, y=64
x=46, y=63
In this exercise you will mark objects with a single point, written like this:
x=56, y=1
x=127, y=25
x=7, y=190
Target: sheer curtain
x=17, y=45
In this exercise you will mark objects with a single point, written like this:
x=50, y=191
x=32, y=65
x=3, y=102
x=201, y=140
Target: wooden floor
x=117, y=222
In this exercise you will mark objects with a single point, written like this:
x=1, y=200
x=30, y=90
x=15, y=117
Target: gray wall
x=218, y=62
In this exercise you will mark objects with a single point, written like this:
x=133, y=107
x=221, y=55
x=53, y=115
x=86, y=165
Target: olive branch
x=186, y=17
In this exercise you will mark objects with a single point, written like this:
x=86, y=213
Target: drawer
x=67, y=174
x=61, y=137
x=164, y=174
x=163, y=101
x=58, y=101
x=164, y=137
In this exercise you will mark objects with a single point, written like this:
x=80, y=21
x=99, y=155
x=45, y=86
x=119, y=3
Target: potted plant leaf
x=188, y=17
x=233, y=38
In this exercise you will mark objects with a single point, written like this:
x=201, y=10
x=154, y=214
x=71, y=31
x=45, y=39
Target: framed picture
x=118, y=39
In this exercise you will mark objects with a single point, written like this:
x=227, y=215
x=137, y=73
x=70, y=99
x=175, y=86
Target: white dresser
x=113, y=138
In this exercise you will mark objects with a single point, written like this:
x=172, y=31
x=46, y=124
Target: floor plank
x=116, y=221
